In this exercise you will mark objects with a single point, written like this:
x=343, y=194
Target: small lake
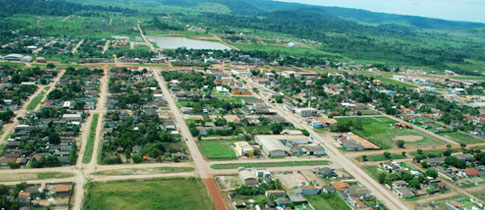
x=177, y=42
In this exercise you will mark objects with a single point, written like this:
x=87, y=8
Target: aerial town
x=195, y=119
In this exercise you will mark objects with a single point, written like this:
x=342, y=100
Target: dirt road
x=106, y=46
x=224, y=42
x=74, y=50
x=200, y=164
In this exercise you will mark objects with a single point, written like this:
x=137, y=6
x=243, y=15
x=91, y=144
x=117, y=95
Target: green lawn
x=271, y=164
x=53, y=175
x=144, y=171
x=217, y=149
x=327, y=201
x=381, y=157
x=88, y=152
x=37, y=99
x=178, y=193
x=461, y=138
x=381, y=131
x=372, y=171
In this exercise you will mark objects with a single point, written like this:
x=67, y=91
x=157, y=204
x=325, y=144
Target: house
x=72, y=117
x=243, y=149
x=328, y=189
x=248, y=178
x=274, y=193
x=282, y=202
x=464, y=157
x=63, y=189
x=341, y=186
x=357, y=203
x=455, y=204
x=315, y=149
x=439, y=130
x=403, y=192
x=308, y=190
x=297, y=199
x=434, y=161
x=359, y=192
x=352, y=146
x=325, y=172
x=306, y=111
x=399, y=183
x=471, y=172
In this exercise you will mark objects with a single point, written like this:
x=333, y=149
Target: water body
x=177, y=42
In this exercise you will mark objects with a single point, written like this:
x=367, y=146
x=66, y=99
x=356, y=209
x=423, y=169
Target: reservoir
x=177, y=42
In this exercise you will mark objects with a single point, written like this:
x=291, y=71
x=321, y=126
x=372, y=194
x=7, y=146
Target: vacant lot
x=35, y=176
x=144, y=171
x=217, y=149
x=381, y=131
x=461, y=138
x=327, y=201
x=88, y=153
x=271, y=164
x=176, y=193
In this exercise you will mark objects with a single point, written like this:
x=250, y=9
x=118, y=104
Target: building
x=308, y=190
x=275, y=193
x=276, y=145
x=340, y=186
x=243, y=149
x=72, y=117
x=27, y=59
x=325, y=172
x=305, y=111
x=13, y=57
x=248, y=178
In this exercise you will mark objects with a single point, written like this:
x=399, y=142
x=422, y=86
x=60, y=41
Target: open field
x=88, y=153
x=178, y=193
x=270, y=164
x=460, y=137
x=217, y=149
x=381, y=131
x=327, y=201
x=382, y=157
x=35, y=176
x=144, y=171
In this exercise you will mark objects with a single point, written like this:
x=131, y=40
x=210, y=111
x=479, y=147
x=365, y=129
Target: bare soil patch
x=408, y=138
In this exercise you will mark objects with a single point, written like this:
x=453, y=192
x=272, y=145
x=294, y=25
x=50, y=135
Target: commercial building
x=243, y=149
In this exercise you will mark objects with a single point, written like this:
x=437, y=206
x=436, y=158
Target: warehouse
x=272, y=145
x=13, y=57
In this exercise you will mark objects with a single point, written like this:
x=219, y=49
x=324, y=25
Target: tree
x=448, y=146
x=364, y=157
x=420, y=151
x=403, y=153
x=13, y=165
x=463, y=145
x=51, y=66
x=432, y=173
x=137, y=158
x=424, y=164
x=387, y=155
x=382, y=178
x=447, y=153
x=276, y=128
x=279, y=99
x=414, y=183
x=400, y=143
x=194, y=131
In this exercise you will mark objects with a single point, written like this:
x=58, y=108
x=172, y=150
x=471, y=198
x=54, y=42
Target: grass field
x=88, y=153
x=381, y=131
x=36, y=176
x=217, y=149
x=178, y=193
x=327, y=201
x=372, y=171
x=270, y=164
x=461, y=138
x=382, y=157
x=37, y=99
x=144, y=171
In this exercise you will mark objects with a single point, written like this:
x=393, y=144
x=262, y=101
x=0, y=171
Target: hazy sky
x=464, y=10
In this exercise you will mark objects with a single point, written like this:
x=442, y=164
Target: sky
x=461, y=10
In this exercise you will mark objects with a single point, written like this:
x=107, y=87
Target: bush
x=112, y=160
x=400, y=143
x=137, y=158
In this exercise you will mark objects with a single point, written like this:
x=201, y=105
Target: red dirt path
x=215, y=194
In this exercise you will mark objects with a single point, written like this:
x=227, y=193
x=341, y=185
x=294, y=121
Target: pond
x=177, y=42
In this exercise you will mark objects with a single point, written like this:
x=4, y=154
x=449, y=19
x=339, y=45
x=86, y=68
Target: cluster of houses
x=403, y=189
x=290, y=142
x=460, y=176
x=87, y=95
x=23, y=146
x=45, y=195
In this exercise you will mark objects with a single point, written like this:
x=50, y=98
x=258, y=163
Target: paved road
x=200, y=164
x=381, y=193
